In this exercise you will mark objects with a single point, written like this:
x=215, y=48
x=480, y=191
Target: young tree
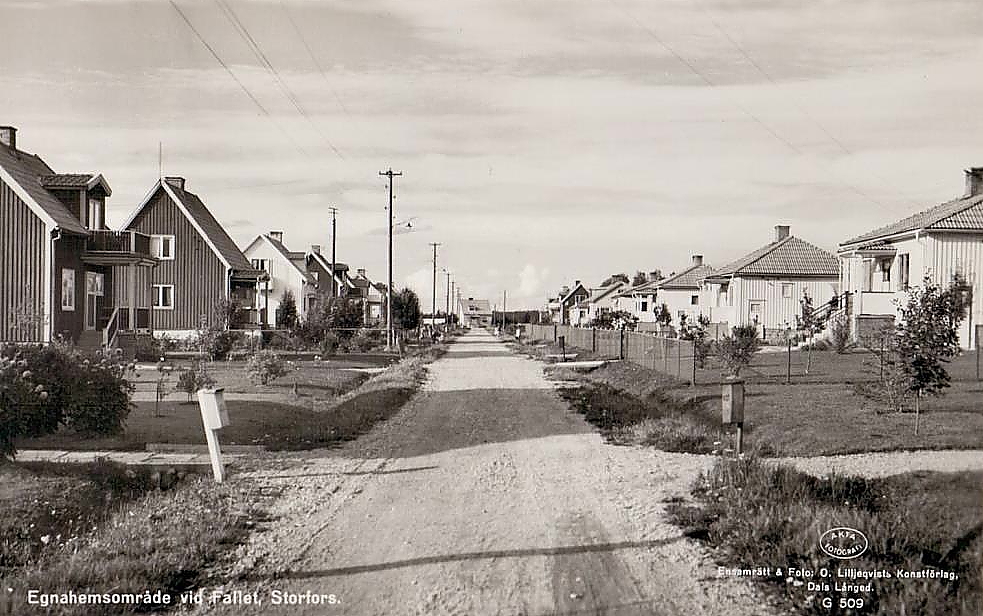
x=737, y=349
x=287, y=314
x=662, y=315
x=806, y=320
x=697, y=332
x=927, y=335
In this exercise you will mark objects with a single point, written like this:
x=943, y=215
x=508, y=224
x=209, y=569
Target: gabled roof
x=207, y=226
x=689, y=278
x=476, y=306
x=286, y=254
x=22, y=171
x=603, y=292
x=787, y=257
x=75, y=181
x=963, y=213
x=572, y=291
x=342, y=280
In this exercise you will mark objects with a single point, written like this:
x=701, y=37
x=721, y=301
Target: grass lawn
x=306, y=423
x=319, y=380
x=757, y=515
x=818, y=414
x=102, y=528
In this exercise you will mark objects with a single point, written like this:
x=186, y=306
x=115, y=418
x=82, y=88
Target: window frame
x=157, y=297
x=94, y=211
x=790, y=288
x=157, y=246
x=68, y=283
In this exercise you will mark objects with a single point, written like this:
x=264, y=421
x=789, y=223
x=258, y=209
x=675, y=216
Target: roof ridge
x=962, y=203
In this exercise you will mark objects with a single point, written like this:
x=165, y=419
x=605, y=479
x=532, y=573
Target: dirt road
x=485, y=495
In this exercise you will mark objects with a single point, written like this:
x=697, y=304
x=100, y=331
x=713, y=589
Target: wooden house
x=766, y=286
x=285, y=271
x=63, y=272
x=199, y=264
x=878, y=267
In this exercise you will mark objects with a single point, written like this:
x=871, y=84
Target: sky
x=540, y=142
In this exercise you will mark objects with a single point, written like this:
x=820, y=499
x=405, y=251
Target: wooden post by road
x=788, y=369
x=692, y=382
x=593, y=340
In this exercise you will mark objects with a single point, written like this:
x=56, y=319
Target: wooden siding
x=198, y=276
x=959, y=252
x=22, y=267
x=68, y=255
x=778, y=311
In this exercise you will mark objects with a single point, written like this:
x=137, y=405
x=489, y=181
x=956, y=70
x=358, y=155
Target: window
x=885, y=271
x=904, y=270
x=162, y=246
x=787, y=290
x=163, y=296
x=757, y=308
x=68, y=290
x=94, y=284
x=645, y=306
x=694, y=300
x=95, y=214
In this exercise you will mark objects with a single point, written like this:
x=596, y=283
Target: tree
x=662, y=315
x=927, y=335
x=806, y=320
x=639, y=278
x=406, y=309
x=287, y=314
x=697, y=332
x=738, y=348
x=614, y=319
x=610, y=280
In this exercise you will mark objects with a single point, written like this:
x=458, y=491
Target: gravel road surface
x=484, y=495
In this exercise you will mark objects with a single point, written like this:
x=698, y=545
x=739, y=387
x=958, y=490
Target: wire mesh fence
x=671, y=356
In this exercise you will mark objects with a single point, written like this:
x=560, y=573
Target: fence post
x=679, y=359
x=621, y=344
x=554, y=333
x=665, y=354
x=692, y=382
x=593, y=340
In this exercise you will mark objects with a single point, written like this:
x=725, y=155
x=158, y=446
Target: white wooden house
x=287, y=272
x=878, y=267
x=681, y=292
x=765, y=287
x=602, y=299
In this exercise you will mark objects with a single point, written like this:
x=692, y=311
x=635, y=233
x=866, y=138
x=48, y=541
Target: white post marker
x=214, y=416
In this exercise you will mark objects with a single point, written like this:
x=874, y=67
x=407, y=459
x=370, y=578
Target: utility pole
x=389, y=173
x=447, y=295
x=433, y=305
x=453, y=300
x=505, y=298
x=334, y=235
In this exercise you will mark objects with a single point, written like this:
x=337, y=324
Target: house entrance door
x=90, y=311
x=93, y=289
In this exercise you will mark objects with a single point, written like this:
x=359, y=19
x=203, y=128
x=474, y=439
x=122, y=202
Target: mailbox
x=213, y=412
x=733, y=401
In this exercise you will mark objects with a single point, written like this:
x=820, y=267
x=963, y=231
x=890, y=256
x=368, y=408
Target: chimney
x=360, y=272
x=576, y=283
x=974, y=178
x=781, y=232
x=316, y=249
x=276, y=235
x=175, y=181
x=8, y=136
x=698, y=259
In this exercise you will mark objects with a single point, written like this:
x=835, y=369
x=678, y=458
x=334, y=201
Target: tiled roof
x=687, y=279
x=26, y=169
x=476, y=306
x=787, y=257
x=602, y=292
x=962, y=213
x=211, y=227
x=65, y=180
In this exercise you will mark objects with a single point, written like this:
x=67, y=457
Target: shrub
x=737, y=349
x=329, y=343
x=839, y=331
x=366, y=340
x=194, y=378
x=45, y=388
x=148, y=348
x=264, y=367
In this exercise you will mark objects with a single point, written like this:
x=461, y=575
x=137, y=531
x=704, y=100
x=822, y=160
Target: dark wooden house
x=63, y=272
x=199, y=264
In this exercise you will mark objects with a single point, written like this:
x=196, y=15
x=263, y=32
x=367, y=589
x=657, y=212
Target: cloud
x=531, y=280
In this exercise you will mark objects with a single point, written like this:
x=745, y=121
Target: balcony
x=878, y=302
x=107, y=247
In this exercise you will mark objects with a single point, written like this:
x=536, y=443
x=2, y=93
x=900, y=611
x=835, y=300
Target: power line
x=228, y=70
x=310, y=52
x=264, y=61
x=747, y=112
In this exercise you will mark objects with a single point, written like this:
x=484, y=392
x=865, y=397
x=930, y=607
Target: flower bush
x=46, y=388
x=264, y=367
